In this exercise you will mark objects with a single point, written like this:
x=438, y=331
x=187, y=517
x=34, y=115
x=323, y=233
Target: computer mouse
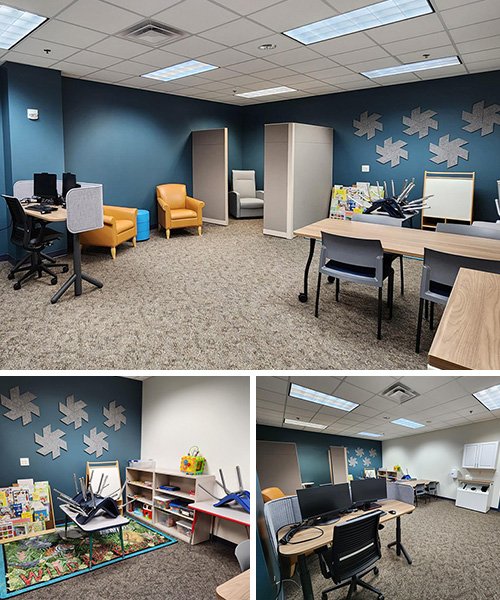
x=392, y=512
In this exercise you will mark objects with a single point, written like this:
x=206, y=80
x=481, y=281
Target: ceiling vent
x=399, y=393
x=152, y=33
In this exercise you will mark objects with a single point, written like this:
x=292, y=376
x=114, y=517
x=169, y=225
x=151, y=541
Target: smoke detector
x=399, y=393
x=152, y=33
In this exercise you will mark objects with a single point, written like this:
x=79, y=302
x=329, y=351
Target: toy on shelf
x=241, y=497
x=193, y=463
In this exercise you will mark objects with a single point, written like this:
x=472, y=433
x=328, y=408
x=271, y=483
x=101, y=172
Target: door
x=487, y=455
x=470, y=456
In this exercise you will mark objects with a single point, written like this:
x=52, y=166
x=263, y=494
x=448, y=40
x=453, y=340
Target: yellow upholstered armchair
x=120, y=225
x=176, y=209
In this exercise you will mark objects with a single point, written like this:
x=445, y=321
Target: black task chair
x=354, y=551
x=31, y=235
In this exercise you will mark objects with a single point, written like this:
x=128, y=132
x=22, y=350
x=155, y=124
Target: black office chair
x=355, y=549
x=32, y=235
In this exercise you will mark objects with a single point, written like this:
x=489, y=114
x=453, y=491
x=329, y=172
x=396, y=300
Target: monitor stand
x=370, y=506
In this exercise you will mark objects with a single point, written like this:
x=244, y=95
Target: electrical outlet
x=24, y=462
x=365, y=168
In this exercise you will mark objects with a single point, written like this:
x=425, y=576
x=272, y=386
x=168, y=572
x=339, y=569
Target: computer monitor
x=366, y=491
x=68, y=183
x=45, y=186
x=324, y=503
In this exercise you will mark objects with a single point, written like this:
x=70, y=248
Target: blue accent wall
x=18, y=441
x=447, y=97
x=133, y=140
x=312, y=449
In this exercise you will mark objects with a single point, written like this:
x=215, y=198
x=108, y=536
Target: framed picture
x=370, y=474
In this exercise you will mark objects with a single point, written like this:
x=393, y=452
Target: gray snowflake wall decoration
x=481, y=117
x=449, y=151
x=51, y=442
x=74, y=412
x=114, y=415
x=367, y=125
x=21, y=405
x=96, y=442
x=420, y=122
x=392, y=152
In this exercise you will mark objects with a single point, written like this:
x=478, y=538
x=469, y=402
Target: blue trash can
x=142, y=225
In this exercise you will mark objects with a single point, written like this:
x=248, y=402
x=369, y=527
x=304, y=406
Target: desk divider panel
x=278, y=466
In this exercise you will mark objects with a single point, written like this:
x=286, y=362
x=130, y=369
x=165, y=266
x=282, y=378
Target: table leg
x=121, y=541
x=90, y=552
x=303, y=295
x=65, y=525
x=399, y=546
x=305, y=578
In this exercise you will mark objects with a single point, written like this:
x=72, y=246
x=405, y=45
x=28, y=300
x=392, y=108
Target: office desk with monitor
x=398, y=240
x=307, y=541
x=468, y=336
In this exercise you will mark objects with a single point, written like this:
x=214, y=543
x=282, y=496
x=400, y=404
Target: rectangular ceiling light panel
x=423, y=65
x=16, y=24
x=490, y=397
x=304, y=393
x=368, y=17
x=369, y=434
x=408, y=423
x=304, y=424
x=191, y=67
x=267, y=92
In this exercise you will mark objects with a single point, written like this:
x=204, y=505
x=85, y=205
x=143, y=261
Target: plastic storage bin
x=142, y=225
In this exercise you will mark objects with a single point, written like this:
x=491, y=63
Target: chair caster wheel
x=331, y=279
x=376, y=571
x=381, y=597
x=10, y=276
x=17, y=286
x=53, y=281
x=65, y=269
x=302, y=297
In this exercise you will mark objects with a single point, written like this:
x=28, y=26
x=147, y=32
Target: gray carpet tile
x=227, y=300
x=455, y=555
x=178, y=572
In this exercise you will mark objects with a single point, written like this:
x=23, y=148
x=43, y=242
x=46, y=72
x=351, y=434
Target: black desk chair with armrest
x=31, y=235
x=355, y=549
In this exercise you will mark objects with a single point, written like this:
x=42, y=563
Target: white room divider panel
x=210, y=173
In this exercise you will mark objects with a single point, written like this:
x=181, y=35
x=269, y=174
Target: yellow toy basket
x=193, y=463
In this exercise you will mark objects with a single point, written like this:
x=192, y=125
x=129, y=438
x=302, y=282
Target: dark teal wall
x=312, y=449
x=448, y=97
x=18, y=441
x=132, y=140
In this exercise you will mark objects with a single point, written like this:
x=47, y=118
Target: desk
x=205, y=513
x=306, y=544
x=237, y=588
x=414, y=482
x=58, y=216
x=95, y=524
x=398, y=240
x=468, y=336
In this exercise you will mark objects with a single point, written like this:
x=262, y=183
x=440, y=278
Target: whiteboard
x=453, y=195
x=111, y=469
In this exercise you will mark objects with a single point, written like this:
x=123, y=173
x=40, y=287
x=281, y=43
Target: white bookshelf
x=143, y=487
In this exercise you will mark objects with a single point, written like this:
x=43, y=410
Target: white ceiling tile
x=37, y=47
x=477, y=12
x=476, y=31
x=369, y=65
x=255, y=65
x=481, y=44
x=424, y=43
x=444, y=4
x=194, y=16
x=28, y=59
x=291, y=57
x=443, y=72
x=236, y=32
x=282, y=43
x=296, y=80
x=243, y=7
x=424, y=384
x=357, y=56
x=358, y=86
x=352, y=393
x=416, y=56
x=476, y=383
x=92, y=59
x=275, y=73
x=379, y=403
x=72, y=69
x=114, y=46
x=343, y=6
x=374, y=384
x=193, y=46
x=406, y=29
x=220, y=74
x=160, y=58
x=99, y=16
x=65, y=33
x=130, y=67
x=145, y=8
x=107, y=76
x=341, y=45
x=292, y=13
x=225, y=57
x=366, y=411
x=47, y=8
x=317, y=64
x=140, y=82
x=273, y=384
x=473, y=57
x=486, y=65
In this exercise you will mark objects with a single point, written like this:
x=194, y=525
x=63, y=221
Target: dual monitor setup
x=45, y=187
x=325, y=504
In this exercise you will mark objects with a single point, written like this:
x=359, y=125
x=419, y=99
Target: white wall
x=210, y=412
x=432, y=455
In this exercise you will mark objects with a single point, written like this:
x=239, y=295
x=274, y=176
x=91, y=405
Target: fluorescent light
x=304, y=393
x=423, y=65
x=185, y=69
x=490, y=397
x=267, y=92
x=369, y=434
x=368, y=17
x=16, y=24
x=304, y=424
x=408, y=423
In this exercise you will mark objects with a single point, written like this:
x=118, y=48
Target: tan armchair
x=176, y=209
x=120, y=225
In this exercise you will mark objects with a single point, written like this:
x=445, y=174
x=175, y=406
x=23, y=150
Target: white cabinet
x=474, y=496
x=480, y=456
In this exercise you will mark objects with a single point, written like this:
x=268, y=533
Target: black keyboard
x=41, y=208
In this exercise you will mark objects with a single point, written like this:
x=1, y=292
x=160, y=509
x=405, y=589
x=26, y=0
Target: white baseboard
x=215, y=221
x=281, y=234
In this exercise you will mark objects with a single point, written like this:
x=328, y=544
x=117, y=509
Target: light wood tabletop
x=468, y=336
x=308, y=540
x=57, y=216
x=414, y=482
x=404, y=240
x=237, y=588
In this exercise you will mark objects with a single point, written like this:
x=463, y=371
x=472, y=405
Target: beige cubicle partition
x=298, y=165
x=210, y=173
x=337, y=457
x=278, y=466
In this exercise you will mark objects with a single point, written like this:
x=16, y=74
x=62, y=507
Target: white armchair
x=244, y=199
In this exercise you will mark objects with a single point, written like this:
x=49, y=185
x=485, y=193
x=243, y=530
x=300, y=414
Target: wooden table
x=307, y=543
x=398, y=240
x=205, y=513
x=57, y=216
x=237, y=588
x=414, y=482
x=468, y=336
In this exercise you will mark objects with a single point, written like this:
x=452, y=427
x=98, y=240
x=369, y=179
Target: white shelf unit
x=167, y=520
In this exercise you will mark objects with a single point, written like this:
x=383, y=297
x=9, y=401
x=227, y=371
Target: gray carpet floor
x=178, y=572
x=455, y=555
x=227, y=300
